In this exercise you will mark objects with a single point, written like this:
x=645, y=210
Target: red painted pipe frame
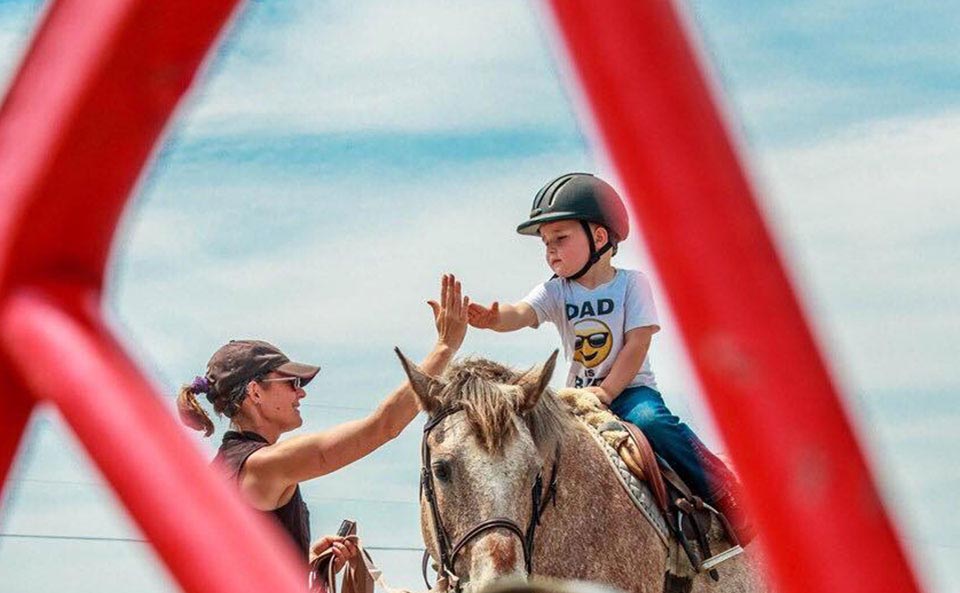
x=94, y=93
x=822, y=520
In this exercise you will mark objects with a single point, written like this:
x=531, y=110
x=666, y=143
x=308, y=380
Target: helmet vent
x=538, y=201
x=556, y=192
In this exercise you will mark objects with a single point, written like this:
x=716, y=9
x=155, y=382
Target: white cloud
x=360, y=280
x=414, y=66
x=870, y=221
x=865, y=220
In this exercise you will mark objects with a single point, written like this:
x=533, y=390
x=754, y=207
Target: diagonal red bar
x=97, y=87
x=197, y=523
x=822, y=520
x=94, y=93
x=17, y=406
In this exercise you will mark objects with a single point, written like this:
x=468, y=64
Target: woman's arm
x=270, y=472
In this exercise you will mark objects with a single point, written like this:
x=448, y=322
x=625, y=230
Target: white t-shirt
x=593, y=323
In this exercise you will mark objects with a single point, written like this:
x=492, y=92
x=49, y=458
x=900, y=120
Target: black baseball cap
x=240, y=361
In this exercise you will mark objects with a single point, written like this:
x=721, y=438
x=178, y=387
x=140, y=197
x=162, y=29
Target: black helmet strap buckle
x=595, y=254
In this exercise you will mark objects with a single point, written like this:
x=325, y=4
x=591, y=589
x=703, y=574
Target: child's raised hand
x=483, y=317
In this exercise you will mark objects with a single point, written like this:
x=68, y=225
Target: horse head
x=491, y=433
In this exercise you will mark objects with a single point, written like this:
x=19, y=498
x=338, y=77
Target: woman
x=259, y=389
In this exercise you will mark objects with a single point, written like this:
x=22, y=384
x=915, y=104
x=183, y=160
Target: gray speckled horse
x=493, y=433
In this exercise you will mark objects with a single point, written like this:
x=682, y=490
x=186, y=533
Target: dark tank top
x=293, y=516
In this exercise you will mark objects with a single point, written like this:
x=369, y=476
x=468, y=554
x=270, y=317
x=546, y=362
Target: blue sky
x=339, y=156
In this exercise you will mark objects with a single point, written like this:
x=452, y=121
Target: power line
x=393, y=549
x=336, y=407
x=322, y=499
x=933, y=543
x=313, y=405
x=370, y=500
x=97, y=538
x=88, y=538
x=133, y=540
x=60, y=482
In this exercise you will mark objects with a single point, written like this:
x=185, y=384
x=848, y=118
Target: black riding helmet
x=583, y=197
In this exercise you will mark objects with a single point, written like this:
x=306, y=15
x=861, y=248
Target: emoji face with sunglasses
x=592, y=343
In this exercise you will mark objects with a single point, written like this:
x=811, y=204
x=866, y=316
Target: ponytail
x=189, y=408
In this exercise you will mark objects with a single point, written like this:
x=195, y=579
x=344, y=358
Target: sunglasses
x=297, y=382
x=595, y=340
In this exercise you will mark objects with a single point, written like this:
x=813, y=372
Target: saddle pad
x=625, y=438
x=637, y=490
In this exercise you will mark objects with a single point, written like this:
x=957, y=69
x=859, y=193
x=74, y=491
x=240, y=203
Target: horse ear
x=535, y=381
x=424, y=386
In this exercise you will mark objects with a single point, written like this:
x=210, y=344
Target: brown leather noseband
x=448, y=554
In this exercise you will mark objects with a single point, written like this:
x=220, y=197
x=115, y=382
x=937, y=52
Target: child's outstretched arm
x=501, y=318
x=626, y=365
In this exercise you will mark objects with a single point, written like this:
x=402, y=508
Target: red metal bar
x=13, y=423
x=808, y=484
x=96, y=89
x=193, y=517
x=93, y=95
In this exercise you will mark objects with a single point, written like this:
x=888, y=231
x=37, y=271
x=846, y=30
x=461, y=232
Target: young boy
x=606, y=318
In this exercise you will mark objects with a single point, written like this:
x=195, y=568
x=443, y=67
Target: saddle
x=689, y=518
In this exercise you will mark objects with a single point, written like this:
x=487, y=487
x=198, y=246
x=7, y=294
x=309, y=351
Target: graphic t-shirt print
x=593, y=322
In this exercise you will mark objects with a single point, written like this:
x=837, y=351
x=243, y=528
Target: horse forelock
x=488, y=392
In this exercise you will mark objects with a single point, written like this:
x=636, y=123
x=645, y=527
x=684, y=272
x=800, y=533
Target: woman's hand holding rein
x=343, y=550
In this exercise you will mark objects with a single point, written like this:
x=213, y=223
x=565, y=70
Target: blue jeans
x=673, y=440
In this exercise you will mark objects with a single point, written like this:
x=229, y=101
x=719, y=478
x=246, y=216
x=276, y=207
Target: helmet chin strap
x=595, y=254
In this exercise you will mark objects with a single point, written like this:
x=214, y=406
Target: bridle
x=448, y=554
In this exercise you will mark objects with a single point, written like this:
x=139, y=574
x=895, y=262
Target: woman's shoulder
x=236, y=448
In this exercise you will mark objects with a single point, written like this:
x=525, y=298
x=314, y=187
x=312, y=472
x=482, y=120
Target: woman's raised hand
x=450, y=314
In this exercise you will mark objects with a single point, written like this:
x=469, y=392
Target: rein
x=448, y=554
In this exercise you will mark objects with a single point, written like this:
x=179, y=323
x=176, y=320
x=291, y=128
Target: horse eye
x=441, y=471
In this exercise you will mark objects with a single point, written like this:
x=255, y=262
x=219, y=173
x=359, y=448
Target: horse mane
x=488, y=392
